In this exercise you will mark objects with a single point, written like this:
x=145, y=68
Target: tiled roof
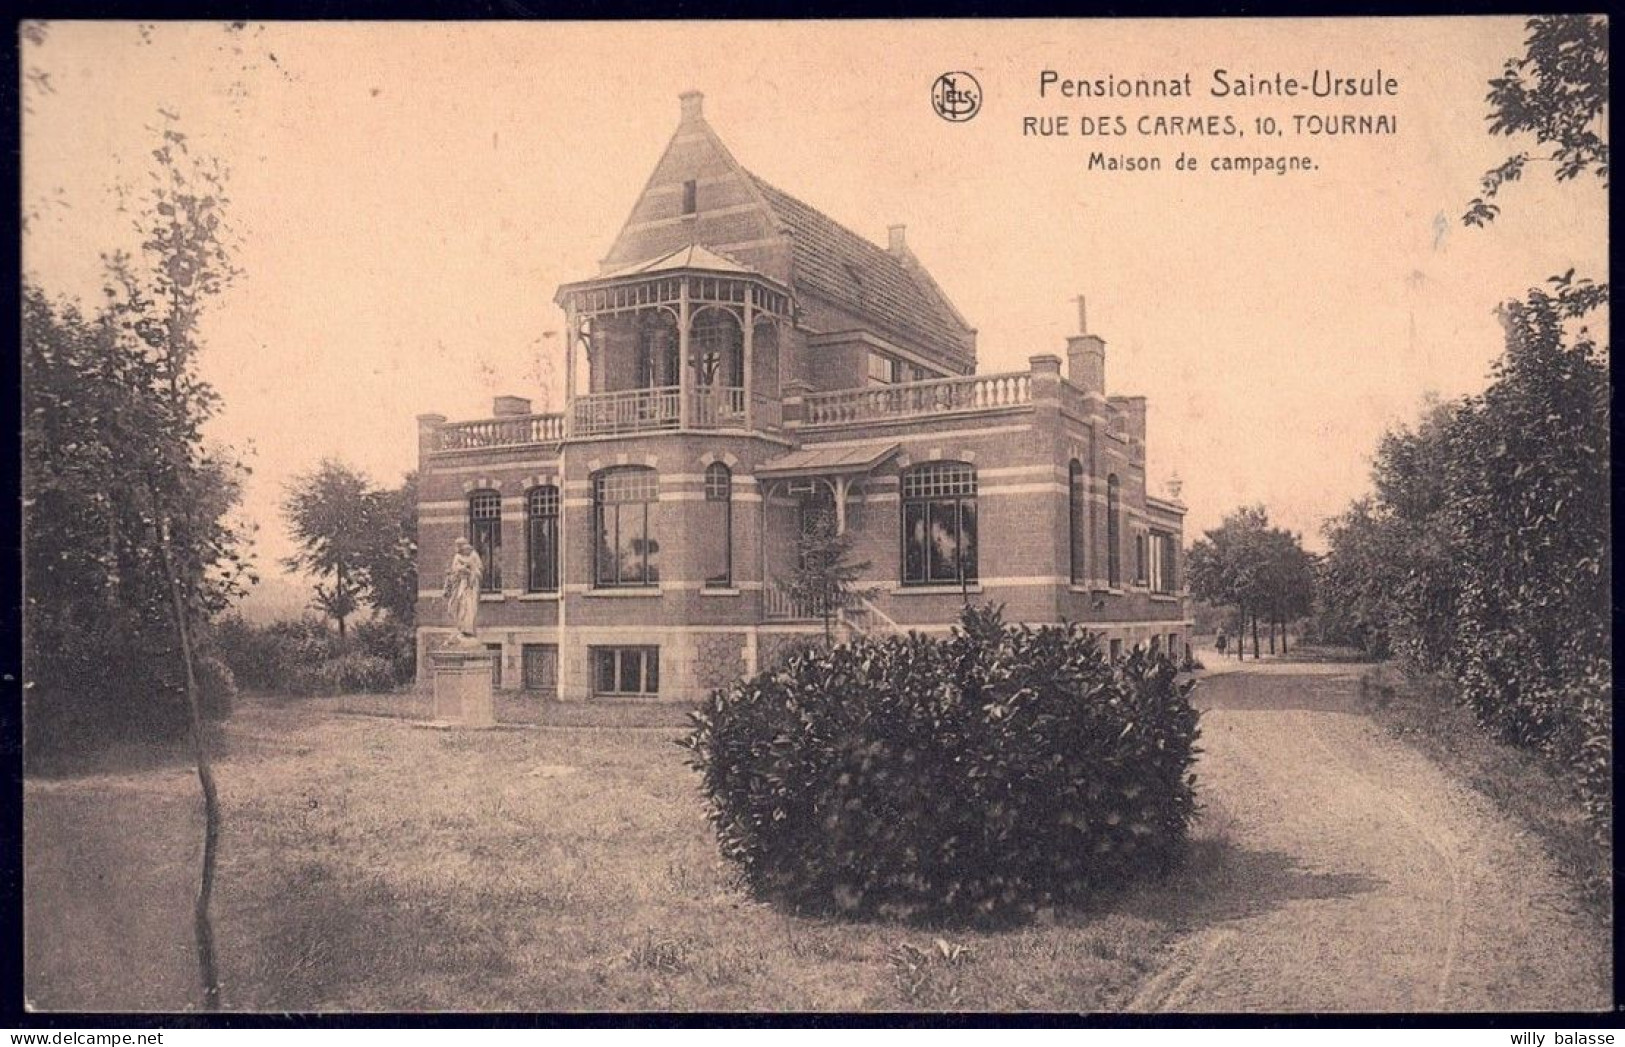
x=864, y=277
x=691, y=256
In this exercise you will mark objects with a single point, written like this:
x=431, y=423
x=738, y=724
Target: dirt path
x=1361, y=877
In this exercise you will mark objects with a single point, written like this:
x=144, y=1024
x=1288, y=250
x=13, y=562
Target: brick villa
x=740, y=360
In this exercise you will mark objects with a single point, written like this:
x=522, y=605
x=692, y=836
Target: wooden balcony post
x=683, y=365
x=572, y=337
x=749, y=332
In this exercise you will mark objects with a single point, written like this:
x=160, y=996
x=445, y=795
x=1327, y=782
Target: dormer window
x=690, y=197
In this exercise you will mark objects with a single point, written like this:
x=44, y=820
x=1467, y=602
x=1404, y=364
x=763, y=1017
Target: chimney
x=510, y=406
x=1133, y=408
x=693, y=103
x=896, y=242
x=1176, y=486
x=1086, y=356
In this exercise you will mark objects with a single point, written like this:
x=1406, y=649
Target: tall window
x=718, y=348
x=1162, y=562
x=691, y=196
x=657, y=349
x=1077, y=509
x=485, y=532
x=765, y=358
x=542, y=540
x=718, y=526
x=939, y=524
x=1139, y=560
x=626, y=552
x=1114, y=556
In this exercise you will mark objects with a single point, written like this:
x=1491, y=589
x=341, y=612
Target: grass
x=1531, y=790
x=368, y=864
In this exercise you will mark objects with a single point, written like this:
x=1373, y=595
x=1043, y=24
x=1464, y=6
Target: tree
x=389, y=555
x=332, y=512
x=1226, y=567
x=1485, y=554
x=1558, y=92
x=1288, y=582
x=823, y=581
x=130, y=547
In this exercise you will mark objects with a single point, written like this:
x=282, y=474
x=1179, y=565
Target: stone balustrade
x=516, y=431
x=967, y=394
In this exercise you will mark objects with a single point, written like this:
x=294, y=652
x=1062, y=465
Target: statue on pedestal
x=462, y=590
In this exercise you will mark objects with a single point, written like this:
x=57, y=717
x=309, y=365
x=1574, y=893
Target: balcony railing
x=652, y=410
x=779, y=605
x=517, y=431
x=983, y=392
x=626, y=411
x=716, y=407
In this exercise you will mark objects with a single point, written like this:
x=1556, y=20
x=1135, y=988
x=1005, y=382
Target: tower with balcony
x=739, y=361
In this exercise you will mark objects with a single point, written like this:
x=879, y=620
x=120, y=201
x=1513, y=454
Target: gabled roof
x=692, y=256
x=864, y=277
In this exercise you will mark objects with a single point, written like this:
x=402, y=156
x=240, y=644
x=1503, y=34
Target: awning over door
x=851, y=460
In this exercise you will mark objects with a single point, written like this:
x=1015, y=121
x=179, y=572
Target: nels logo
x=956, y=97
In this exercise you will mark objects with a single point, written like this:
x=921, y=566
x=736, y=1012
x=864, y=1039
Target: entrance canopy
x=833, y=467
x=851, y=460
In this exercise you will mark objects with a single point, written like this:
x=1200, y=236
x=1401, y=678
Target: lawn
x=562, y=863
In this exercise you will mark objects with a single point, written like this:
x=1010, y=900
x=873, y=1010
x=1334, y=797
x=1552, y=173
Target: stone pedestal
x=462, y=685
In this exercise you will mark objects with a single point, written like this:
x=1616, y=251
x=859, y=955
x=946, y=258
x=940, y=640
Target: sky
x=406, y=198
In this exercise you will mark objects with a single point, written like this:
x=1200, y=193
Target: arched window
x=1114, y=556
x=626, y=551
x=485, y=533
x=718, y=347
x=657, y=349
x=542, y=539
x=1077, y=509
x=717, y=530
x=765, y=358
x=939, y=524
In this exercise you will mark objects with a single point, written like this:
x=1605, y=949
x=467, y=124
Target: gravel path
x=1361, y=877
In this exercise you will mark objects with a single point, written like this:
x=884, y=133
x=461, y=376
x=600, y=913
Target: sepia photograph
x=1078, y=517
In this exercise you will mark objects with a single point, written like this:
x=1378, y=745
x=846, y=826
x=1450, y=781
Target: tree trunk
x=1283, y=637
x=1272, y=635
x=202, y=925
x=338, y=593
x=1241, y=635
x=1256, y=655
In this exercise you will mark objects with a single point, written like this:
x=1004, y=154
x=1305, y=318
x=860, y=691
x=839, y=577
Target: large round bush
x=995, y=770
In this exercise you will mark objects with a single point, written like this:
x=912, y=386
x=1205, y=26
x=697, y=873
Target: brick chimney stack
x=896, y=240
x=693, y=103
x=1086, y=356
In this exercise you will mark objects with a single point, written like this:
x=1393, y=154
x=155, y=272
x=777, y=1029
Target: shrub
x=304, y=656
x=344, y=674
x=216, y=685
x=982, y=775
x=253, y=653
x=392, y=641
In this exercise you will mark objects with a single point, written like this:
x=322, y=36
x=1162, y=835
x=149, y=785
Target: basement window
x=625, y=671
